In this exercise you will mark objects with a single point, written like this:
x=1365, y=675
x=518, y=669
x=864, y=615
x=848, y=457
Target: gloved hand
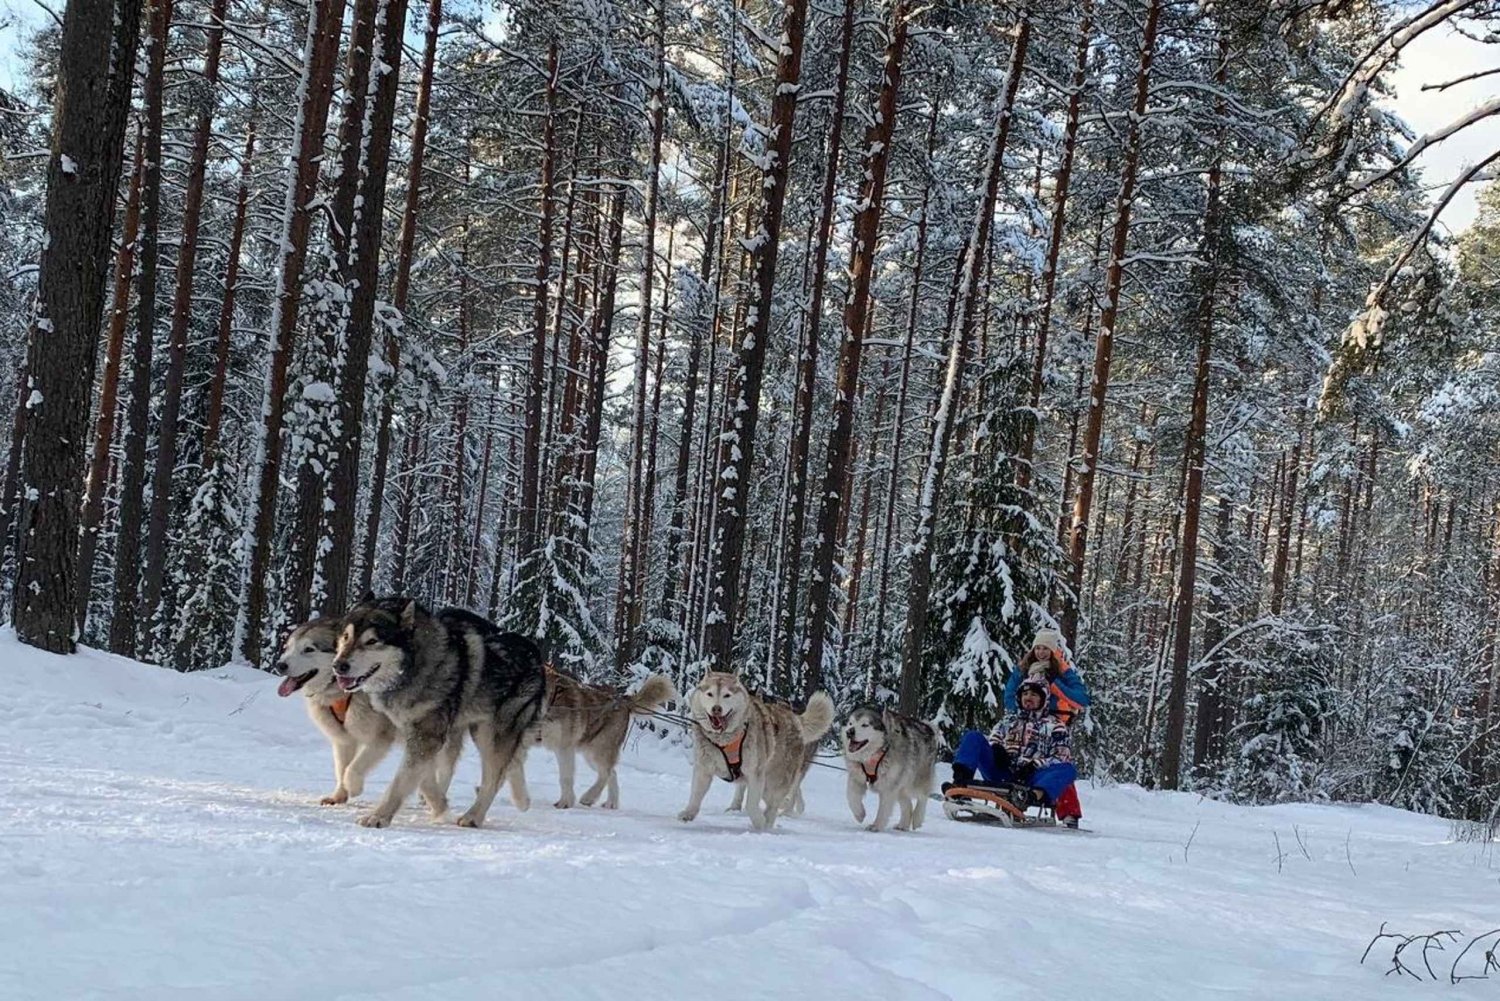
x=1024, y=771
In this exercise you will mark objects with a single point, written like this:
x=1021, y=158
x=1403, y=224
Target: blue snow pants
x=976, y=752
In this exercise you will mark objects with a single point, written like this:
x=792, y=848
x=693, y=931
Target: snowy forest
x=842, y=343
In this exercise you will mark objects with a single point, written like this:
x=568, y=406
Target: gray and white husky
x=360, y=736
x=894, y=755
x=438, y=676
x=741, y=739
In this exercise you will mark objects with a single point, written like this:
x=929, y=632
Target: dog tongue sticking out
x=290, y=684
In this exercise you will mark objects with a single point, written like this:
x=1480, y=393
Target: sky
x=1436, y=57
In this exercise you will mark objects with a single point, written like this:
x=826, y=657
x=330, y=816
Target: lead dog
x=739, y=738
x=894, y=755
x=438, y=676
x=359, y=735
x=595, y=721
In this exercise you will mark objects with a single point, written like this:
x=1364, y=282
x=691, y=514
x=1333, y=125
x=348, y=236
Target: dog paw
x=469, y=820
x=874, y=828
x=688, y=816
x=563, y=804
x=859, y=816
x=374, y=820
x=336, y=798
x=611, y=805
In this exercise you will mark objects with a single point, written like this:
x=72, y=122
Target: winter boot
x=963, y=776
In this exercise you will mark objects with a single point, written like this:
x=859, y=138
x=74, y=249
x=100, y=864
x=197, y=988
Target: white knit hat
x=1049, y=638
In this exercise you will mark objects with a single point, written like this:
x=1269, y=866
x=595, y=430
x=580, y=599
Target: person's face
x=1031, y=700
x=1042, y=652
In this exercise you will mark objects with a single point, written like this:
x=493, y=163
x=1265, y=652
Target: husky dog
x=741, y=739
x=360, y=736
x=438, y=676
x=593, y=720
x=895, y=755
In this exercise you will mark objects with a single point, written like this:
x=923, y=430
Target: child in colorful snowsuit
x=1067, y=696
x=1029, y=747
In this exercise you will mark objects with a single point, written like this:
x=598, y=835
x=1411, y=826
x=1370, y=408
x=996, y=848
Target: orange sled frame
x=967, y=803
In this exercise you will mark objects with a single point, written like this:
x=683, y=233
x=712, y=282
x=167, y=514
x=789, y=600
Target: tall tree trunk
x=476, y=542
x=177, y=339
x=1192, y=501
x=630, y=544
x=124, y=622
x=703, y=327
x=807, y=368
x=903, y=391
x=104, y=422
x=827, y=533
x=1284, y=531
x=970, y=270
x=1062, y=182
x=552, y=457
x=400, y=292
x=1210, y=726
x=737, y=450
x=1104, y=344
x=320, y=60
x=364, y=275
x=405, y=511
x=602, y=330
x=224, y=330
x=304, y=591
x=10, y=489
x=536, y=382
x=95, y=65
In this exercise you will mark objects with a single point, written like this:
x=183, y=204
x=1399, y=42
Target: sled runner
x=994, y=805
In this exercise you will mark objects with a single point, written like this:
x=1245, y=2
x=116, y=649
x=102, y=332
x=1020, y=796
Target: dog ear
x=409, y=614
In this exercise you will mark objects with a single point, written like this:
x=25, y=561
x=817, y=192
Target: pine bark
x=224, y=330
x=177, y=339
x=903, y=391
x=109, y=390
x=630, y=545
x=401, y=291
x=737, y=453
x=125, y=618
x=536, y=382
x=1211, y=723
x=95, y=65
x=364, y=275
x=1105, y=341
x=1192, y=501
x=828, y=536
x=325, y=18
x=1062, y=183
x=807, y=367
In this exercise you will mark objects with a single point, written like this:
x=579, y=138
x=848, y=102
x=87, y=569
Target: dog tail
x=656, y=690
x=818, y=717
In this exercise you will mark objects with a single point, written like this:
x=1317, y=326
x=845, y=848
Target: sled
x=988, y=805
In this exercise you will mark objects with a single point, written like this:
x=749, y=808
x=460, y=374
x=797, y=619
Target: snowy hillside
x=162, y=840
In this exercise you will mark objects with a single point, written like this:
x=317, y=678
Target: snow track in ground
x=160, y=838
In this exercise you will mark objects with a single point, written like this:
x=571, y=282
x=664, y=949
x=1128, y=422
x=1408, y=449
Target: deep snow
x=160, y=838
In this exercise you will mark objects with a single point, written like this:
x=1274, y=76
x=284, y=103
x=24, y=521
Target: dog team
x=391, y=670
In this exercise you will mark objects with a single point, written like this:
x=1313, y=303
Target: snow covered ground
x=160, y=838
